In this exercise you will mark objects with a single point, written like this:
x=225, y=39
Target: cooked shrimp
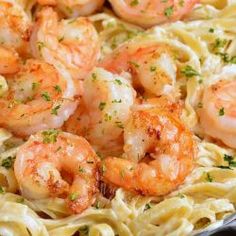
x=9, y=61
x=151, y=64
x=72, y=44
x=15, y=23
x=38, y=98
x=47, y=2
x=171, y=150
x=73, y=8
x=56, y=164
x=107, y=102
x=147, y=13
x=218, y=112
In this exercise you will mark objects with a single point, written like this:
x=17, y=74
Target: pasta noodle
x=208, y=194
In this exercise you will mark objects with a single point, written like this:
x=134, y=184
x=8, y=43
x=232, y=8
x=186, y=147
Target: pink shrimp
x=169, y=145
x=56, y=164
x=148, y=13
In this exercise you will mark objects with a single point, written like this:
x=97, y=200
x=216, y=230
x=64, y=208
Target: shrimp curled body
x=148, y=13
x=15, y=25
x=170, y=145
x=56, y=164
x=218, y=112
x=38, y=98
x=151, y=64
x=73, y=8
x=9, y=61
x=71, y=44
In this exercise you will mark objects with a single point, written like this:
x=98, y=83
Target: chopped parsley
x=8, y=162
x=50, y=136
x=180, y=195
x=81, y=169
x=118, y=81
x=153, y=68
x=134, y=3
x=147, y=207
x=20, y=200
x=107, y=117
x=209, y=178
x=40, y=45
x=222, y=111
x=97, y=205
x=189, y=72
x=230, y=160
x=83, y=230
x=94, y=77
x=55, y=110
x=73, y=196
x=219, y=43
x=102, y=106
x=2, y=190
x=116, y=101
x=58, y=88
x=46, y=96
x=119, y=124
x=211, y=30
x=35, y=85
x=134, y=64
x=169, y=11
x=226, y=58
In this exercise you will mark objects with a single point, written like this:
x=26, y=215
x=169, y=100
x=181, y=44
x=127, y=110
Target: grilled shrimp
x=218, y=112
x=9, y=61
x=73, y=8
x=150, y=63
x=72, y=44
x=38, y=98
x=15, y=24
x=147, y=13
x=56, y=164
x=167, y=145
x=106, y=107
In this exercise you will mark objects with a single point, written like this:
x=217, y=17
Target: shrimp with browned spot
x=56, y=164
x=159, y=153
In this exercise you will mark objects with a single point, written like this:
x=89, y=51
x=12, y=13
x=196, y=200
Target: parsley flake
x=147, y=207
x=189, y=72
x=2, y=190
x=169, y=11
x=222, y=111
x=50, y=136
x=134, y=3
x=8, y=162
x=55, y=110
x=46, y=96
x=58, y=88
x=102, y=106
x=209, y=178
x=73, y=196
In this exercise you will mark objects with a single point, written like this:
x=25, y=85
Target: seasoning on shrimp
x=105, y=108
x=150, y=63
x=31, y=99
x=73, y=8
x=218, y=112
x=147, y=13
x=52, y=39
x=171, y=151
x=49, y=164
